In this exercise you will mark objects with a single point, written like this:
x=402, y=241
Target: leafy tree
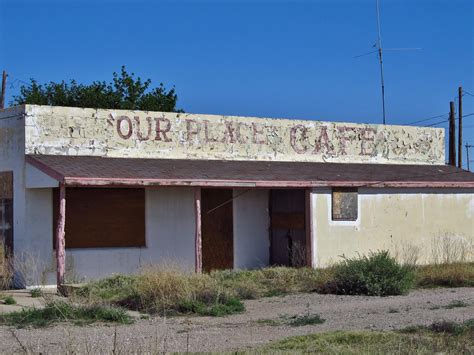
x=124, y=92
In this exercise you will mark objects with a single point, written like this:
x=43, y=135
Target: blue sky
x=291, y=59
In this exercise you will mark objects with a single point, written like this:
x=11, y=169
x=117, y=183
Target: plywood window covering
x=103, y=217
x=6, y=210
x=344, y=204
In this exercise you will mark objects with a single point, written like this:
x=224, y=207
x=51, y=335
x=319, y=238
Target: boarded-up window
x=344, y=204
x=6, y=210
x=103, y=217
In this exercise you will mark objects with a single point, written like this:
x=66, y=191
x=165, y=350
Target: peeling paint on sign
x=140, y=134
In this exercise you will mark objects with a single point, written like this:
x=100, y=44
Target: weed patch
x=36, y=292
x=8, y=300
x=219, y=309
x=444, y=327
x=308, y=319
x=446, y=338
x=62, y=311
x=294, y=321
x=456, y=304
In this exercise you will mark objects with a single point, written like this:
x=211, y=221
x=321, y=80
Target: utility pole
x=467, y=155
x=460, y=128
x=4, y=84
x=452, y=135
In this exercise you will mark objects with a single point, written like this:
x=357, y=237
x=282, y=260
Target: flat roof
x=99, y=171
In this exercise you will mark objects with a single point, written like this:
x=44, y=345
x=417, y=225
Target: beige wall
x=402, y=221
x=118, y=133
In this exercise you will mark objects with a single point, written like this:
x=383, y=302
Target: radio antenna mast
x=379, y=50
x=379, y=47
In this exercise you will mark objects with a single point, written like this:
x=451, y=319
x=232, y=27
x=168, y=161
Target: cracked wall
x=141, y=134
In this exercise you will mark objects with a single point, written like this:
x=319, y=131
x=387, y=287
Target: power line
x=436, y=123
x=425, y=119
x=447, y=120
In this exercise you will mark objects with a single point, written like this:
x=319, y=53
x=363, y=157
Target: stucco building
x=89, y=193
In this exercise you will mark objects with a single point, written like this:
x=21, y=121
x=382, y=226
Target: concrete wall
x=170, y=235
x=120, y=133
x=251, y=223
x=12, y=150
x=169, y=239
x=403, y=221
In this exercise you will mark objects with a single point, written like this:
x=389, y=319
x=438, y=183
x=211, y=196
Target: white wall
x=12, y=158
x=251, y=223
x=169, y=238
x=400, y=220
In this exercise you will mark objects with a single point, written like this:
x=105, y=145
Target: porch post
x=309, y=228
x=198, y=237
x=60, y=241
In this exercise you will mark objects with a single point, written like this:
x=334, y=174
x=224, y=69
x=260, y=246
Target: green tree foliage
x=124, y=92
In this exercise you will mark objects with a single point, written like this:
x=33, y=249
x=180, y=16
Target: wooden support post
x=198, y=236
x=452, y=136
x=60, y=240
x=460, y=128
x=309, y=228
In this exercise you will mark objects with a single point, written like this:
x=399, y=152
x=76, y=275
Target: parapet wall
x=141, y=134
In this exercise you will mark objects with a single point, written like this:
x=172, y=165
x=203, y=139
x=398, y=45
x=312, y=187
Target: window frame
x=342, y=190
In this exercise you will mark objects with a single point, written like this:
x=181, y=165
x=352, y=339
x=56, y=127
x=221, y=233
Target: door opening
x=288, y=227
x=217, y=229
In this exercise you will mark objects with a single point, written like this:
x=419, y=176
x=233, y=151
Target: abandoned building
x=90, y=193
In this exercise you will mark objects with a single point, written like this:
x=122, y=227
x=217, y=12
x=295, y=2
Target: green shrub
x=377, y=274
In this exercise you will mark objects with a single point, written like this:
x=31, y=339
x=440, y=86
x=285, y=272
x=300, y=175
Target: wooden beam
x=198, y=236
x=309, y=228
x=60, y=238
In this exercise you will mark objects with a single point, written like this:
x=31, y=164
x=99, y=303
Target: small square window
x=344, y=204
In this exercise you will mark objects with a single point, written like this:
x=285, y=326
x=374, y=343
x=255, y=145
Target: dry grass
x=445, y=275
x=6, y=270
x=451, y=249
x=167, y=290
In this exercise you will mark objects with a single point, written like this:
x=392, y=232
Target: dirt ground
x=247, y=330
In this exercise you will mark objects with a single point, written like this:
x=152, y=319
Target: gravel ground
x=245, y=330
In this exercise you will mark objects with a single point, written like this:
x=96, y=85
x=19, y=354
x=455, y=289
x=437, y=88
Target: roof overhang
x=134, y=172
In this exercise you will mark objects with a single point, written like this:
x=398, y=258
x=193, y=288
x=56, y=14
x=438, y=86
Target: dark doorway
x=288, y=228
x=6, y=212
x=217, y=229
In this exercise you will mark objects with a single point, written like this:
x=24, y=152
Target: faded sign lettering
x=188, y=136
